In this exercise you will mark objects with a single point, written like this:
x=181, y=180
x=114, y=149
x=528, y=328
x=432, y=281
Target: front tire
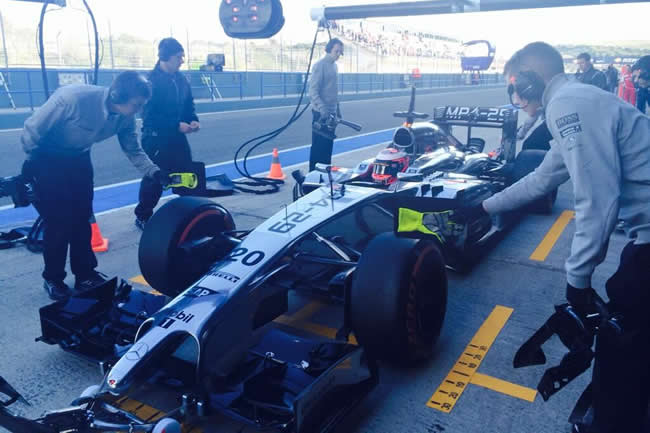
x=398, y=298
x=165, y=265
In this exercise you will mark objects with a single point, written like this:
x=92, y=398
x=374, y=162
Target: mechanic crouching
x=57, y=139
x=602, y=144
x=166, y=119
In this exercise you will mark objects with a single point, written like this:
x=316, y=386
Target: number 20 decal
x=247, y=258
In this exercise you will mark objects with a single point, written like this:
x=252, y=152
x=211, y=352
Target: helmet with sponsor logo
x=387, y=164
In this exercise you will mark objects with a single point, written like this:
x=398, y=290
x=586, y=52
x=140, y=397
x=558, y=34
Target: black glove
x=162, y=177
x=584, y=301
x=28, y=171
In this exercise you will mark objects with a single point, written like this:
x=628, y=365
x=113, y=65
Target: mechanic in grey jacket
x=57, y=139
x=603, y=145
x=323, y=95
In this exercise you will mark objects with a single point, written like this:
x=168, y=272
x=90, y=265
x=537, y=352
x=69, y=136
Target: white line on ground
x=288, y=167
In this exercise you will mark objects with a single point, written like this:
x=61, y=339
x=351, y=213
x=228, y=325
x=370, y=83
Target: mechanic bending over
x=603, y=144
x=525, y=93
x=323, y=95
x=57, y=139
x=166, y=119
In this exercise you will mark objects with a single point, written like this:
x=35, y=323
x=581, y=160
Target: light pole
x=58, y=47
x=4, y=44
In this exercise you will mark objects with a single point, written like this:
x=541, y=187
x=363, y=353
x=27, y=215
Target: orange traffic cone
x=98, y=243
x=276, y=168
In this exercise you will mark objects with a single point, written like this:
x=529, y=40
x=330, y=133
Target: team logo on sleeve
x=568, y=125
x=567, y=120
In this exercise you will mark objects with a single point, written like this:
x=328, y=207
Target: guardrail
x=25, y=86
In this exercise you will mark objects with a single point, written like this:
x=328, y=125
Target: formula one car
x=214, y=343
x=427, y=147
x=377, y=251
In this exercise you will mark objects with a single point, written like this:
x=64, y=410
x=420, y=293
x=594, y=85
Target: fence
x=25, y=86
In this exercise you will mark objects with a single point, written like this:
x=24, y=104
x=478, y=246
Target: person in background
x=525, y=91
x=641, y=74
x=166, y=120
x=588, y=74
x=323, y=95
x=612, y=78
x=626, y=90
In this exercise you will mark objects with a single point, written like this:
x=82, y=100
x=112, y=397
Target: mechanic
x=526, y=93
x=166, y=120
x=641, y=74
x=57, y=139
x=588, y=74
x=323, y=94
x=603, y=144
x=612, y=78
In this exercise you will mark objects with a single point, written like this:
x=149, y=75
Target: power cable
x=272, y=184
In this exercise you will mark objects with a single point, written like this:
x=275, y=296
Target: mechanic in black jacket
x=641, y=73
x=525, y=91
x=588, y=74
x=167, y=118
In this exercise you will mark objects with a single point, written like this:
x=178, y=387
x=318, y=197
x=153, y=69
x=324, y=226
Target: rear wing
x=482, y=117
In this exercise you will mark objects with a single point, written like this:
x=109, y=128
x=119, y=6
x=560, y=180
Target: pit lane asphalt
x=50, y=378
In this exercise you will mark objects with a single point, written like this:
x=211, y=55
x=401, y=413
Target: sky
x=509, y=30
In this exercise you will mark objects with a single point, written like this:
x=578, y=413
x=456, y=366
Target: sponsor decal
x=567, y=120
x=226, y=276
x=180, y=316
x=478, y=114
x=198, y=291
x=570, y=130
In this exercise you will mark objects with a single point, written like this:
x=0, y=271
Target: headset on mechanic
x=323, y=95
x=57, y=139
x=166, y=120
x=525, y=91
x=602, y=144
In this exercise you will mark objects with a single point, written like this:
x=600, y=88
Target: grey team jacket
x=74, y=118
x=323, y=86
x=603, y=144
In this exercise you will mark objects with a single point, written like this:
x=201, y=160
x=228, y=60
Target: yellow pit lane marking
x=544, y=247
x=149, y=414
x=299, y=319
x=464, y=371
x=140, y=280
x=508, y=388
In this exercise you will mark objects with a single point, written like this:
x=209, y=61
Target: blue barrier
x=27, y=90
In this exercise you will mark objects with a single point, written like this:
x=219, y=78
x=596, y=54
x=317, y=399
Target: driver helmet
x=387, y=164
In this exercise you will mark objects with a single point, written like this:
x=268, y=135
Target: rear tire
x=398, y=298
x=183, y=219
x=526, y=162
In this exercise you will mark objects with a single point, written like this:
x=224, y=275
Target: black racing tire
x=398, y=298
x=180, y=220
x=526, y=162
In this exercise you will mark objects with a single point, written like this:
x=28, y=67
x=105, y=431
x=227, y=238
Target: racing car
x=426, y=147
x=212, y=341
